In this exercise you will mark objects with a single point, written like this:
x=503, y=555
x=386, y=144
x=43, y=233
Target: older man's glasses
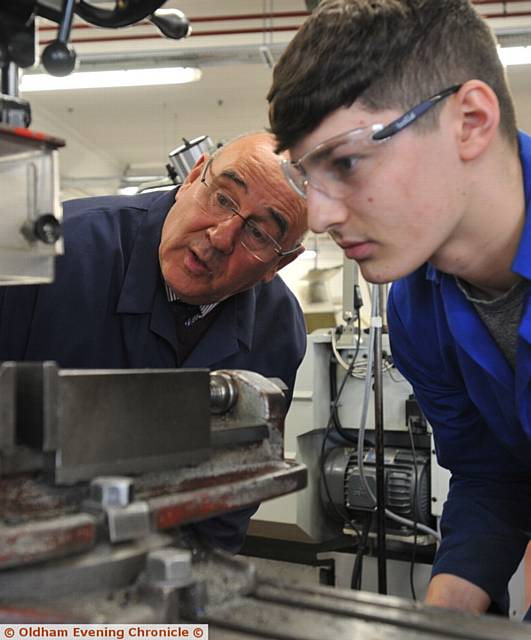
x=217, y=201
x=330, y=167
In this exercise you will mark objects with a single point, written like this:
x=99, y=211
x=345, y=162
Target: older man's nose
x=224, y=234
x=324, y=213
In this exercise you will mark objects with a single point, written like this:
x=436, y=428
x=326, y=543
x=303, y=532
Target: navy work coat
x=107, y=307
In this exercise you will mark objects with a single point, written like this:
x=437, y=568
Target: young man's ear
x=478, y=113
x=285, y=260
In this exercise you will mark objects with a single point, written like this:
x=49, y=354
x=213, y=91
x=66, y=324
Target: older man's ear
x=194, y=174
x=285, y=260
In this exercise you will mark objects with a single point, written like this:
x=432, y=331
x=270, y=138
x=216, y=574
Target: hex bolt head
x=169, y=565
x=112, y=491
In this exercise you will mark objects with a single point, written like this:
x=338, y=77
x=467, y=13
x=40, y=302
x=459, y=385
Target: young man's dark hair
x=402, y=139
x=390, y=54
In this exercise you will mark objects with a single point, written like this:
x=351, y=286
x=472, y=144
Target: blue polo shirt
x=480, y=412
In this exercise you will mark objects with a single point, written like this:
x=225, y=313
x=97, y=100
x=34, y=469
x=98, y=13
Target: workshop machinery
x=102, y=472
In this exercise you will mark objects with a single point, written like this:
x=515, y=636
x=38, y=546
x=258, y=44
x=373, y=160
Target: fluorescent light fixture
x=514, y=55
x=107, y=79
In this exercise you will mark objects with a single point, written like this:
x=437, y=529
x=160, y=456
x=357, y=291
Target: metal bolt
x=112, y=491
x=169, y=565
x=223, y=392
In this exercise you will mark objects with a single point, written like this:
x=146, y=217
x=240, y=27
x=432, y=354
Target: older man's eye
x=223, y=201
x=257, y=234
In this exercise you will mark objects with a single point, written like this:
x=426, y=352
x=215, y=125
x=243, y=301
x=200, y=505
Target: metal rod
x=10, y=80
x=158, y=36
x=379, y=450
x=383, y=310
x=66, y=24
x=195, y=20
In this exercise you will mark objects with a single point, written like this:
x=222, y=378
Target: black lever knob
x=58, y=58
x=172, y=23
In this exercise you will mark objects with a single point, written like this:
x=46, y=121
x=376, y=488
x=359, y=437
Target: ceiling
x=119, y=131
x=116, y=134
x=112, y=133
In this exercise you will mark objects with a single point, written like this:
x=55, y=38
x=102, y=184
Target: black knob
x=172, y=23
x=47, y=228
x=58, y=58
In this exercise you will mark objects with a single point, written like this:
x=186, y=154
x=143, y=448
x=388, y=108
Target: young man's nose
x=324, y=213
x=224, y=234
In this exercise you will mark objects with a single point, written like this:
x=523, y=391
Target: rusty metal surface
x=106, y=569
x=178, y=501
x=22, y=139
x=249, y=488
x=45, y=540
x=218, y=496
x=20, y=615
x=28, y=497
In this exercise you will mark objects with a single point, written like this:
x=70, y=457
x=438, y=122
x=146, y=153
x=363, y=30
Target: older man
x=174, y=279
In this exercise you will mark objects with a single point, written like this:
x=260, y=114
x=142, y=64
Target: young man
x=403, y=140
x=174, y=279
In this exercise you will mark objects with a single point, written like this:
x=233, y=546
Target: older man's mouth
x=195, y=264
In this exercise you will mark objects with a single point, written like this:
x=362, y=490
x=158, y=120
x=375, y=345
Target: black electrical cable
x=415, y=506
x=357, y=569
x=344, y=433
x=330, y=424
x=336, y=421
